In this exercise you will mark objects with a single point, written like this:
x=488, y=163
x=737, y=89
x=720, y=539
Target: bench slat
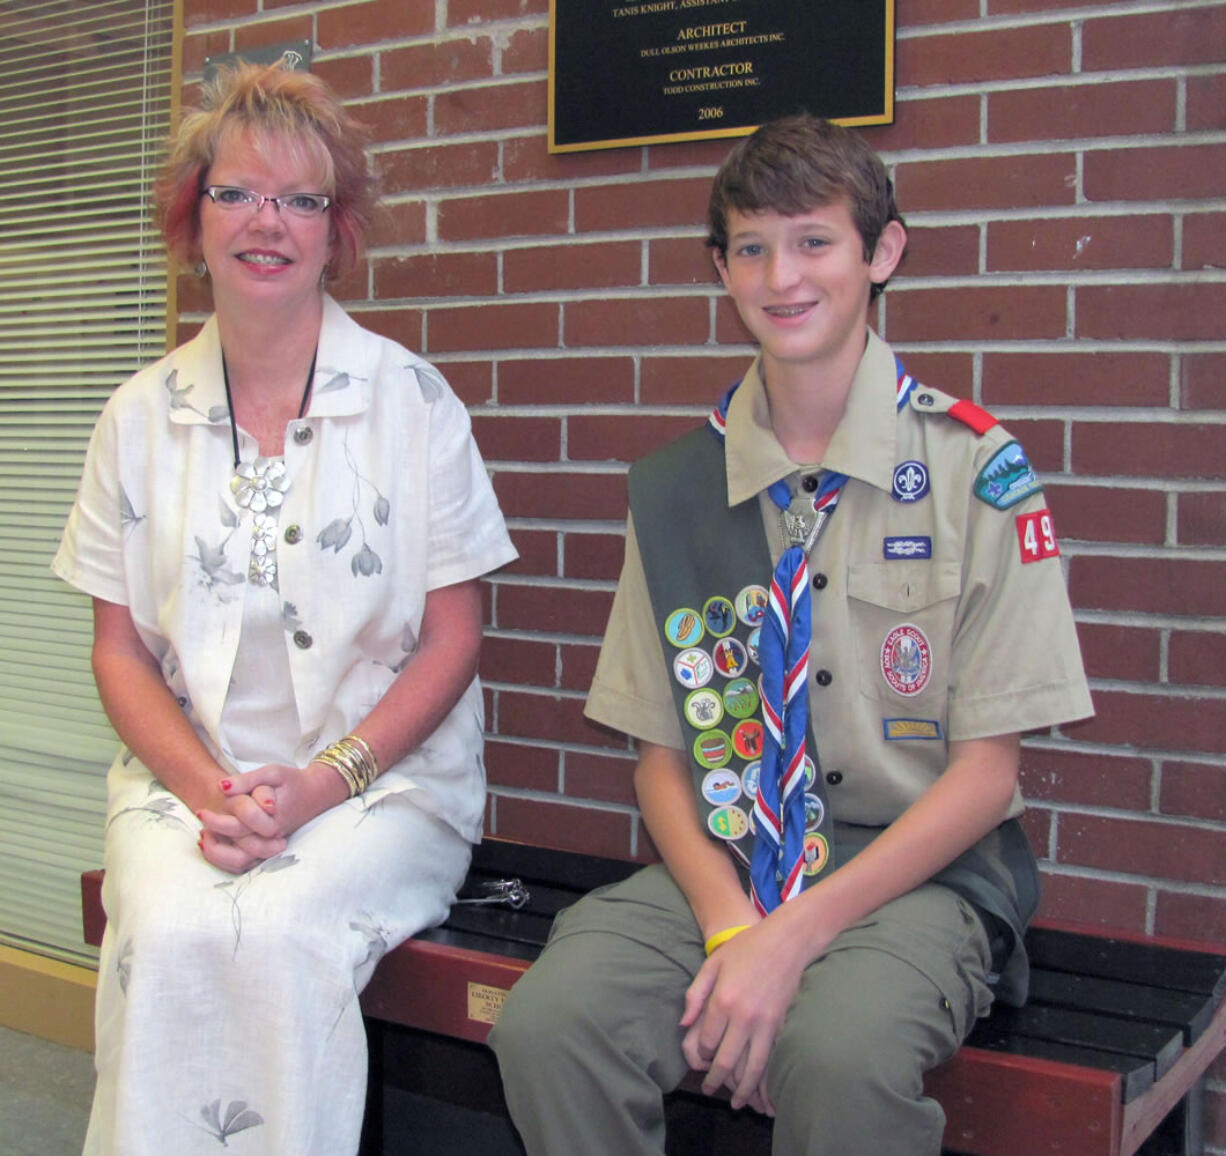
x=1190, y=1012
x=1152, y=1042
x=581, y=873
x=496, y=925
x=1195, y=971
x=1137, y=1074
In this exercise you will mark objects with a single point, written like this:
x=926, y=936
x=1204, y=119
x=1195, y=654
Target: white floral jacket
x=387, y=499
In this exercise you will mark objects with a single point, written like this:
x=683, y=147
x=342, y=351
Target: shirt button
x=293, y=534
x=303, y=434
x=182, y=700
x=834, y=778
x=925, y=399
x=809, y=483
x=823, y=678
x=819, y=581
x=303, y=640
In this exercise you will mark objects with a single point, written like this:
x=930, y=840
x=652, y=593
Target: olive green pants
x=588, y=1041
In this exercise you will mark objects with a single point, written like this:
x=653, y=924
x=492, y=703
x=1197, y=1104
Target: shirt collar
x=197, y=391
x=862, y=446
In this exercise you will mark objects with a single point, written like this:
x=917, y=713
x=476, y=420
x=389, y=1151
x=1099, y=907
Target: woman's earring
x=202, y=270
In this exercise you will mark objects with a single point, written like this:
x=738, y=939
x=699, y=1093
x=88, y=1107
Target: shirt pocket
x=902, y=619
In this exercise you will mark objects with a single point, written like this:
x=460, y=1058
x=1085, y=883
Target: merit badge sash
x=709, y=576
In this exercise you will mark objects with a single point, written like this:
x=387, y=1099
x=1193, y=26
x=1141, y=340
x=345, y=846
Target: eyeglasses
x=296, y=204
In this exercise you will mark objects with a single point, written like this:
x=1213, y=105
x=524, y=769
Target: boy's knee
x=534, y=1018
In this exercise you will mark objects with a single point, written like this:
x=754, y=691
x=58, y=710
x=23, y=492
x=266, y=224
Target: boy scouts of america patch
x=1007, y=478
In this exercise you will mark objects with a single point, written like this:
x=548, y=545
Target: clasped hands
x=259, y=810
x=734, y=1009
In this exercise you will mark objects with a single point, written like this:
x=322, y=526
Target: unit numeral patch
x=1036, y=536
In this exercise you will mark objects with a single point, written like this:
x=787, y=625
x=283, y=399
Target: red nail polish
x=226, y=784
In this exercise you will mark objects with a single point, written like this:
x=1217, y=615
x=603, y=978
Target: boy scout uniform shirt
x=911, y=553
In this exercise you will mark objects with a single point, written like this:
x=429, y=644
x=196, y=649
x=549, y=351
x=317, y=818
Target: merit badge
x=1007, y=478
x=749, y=779
x=906, y=659
x=910, y=481
x=703, y=709
x=719, y=615
x=751, y=605
x=713, y=749
x=1036, y=536
x=815, y=812
x=897, y=729
x=906, y=547
x=810, y=773
x=817, y=852
x=730, y=656
x=693, y=668
x=683, y=627
x=747, y=739
x=728, y=823
x=741, y=698
x=751, y=644
x=721, y=786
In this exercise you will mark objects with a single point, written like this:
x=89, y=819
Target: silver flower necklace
x=260, y=486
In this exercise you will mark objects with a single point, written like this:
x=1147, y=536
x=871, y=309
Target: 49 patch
x=1036, y=536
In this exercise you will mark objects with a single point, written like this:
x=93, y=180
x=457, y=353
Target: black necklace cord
x=302, y=406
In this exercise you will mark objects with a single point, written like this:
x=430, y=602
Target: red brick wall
x=1063, y=167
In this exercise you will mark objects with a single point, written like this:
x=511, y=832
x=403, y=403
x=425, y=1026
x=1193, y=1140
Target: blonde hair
x=269, y=104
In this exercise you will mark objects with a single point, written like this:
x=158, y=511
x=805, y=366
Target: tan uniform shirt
x=988, y=612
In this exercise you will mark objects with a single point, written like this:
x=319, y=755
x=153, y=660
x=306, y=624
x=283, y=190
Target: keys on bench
x=505, y=892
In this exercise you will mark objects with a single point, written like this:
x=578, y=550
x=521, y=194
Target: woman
x=281, y=524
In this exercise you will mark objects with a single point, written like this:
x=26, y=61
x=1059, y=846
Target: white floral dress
x=227, y=1014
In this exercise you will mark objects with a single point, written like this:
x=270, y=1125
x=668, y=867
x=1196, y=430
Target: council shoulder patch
x=1007, y=478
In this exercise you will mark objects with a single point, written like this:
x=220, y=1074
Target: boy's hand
x=735, y=1007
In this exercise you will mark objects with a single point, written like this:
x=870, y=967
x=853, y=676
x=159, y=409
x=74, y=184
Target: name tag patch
x=1036, y=536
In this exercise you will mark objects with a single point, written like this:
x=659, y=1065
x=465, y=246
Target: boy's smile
x=801, y=284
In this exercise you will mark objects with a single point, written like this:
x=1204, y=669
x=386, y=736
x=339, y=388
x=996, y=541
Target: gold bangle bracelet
x=352, y=759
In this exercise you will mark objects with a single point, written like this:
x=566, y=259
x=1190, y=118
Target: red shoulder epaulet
x=968, y=413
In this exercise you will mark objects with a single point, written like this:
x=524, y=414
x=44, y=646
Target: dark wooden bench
x=1107, y=1059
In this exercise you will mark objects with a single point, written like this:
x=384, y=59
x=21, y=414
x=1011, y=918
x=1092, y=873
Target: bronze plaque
x=632, y=72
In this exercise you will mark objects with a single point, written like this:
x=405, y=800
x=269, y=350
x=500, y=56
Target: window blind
x=85, y=97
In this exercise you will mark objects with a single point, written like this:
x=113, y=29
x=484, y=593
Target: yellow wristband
x=722, y=937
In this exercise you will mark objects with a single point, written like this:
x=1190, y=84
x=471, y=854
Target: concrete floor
x=45, y=1090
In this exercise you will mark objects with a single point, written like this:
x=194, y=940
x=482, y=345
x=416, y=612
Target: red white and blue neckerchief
x=776, y=870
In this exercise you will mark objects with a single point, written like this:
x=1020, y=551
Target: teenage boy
x=841, y=604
